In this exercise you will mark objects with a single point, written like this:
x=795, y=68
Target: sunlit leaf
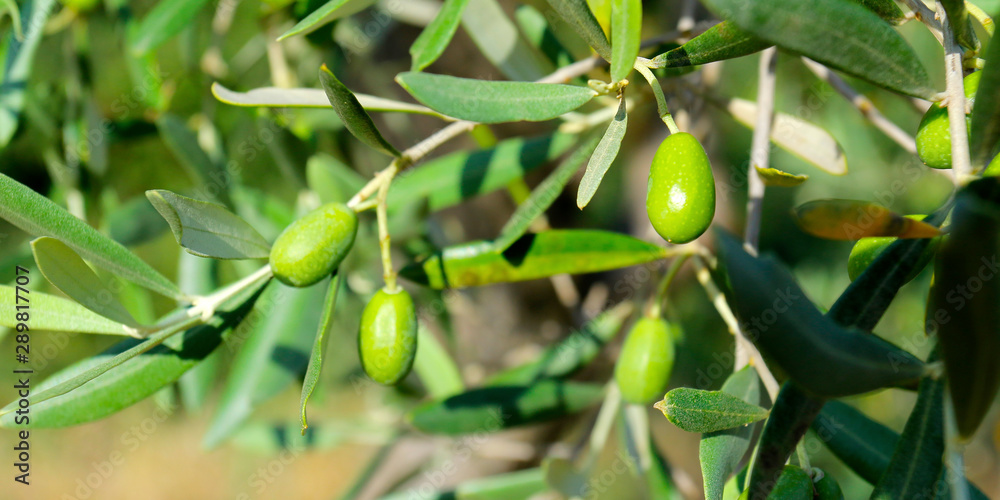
x=318, y=353
x=534, y=256
x=39, y=216
x=431, y=43
x=603, y=157
x=353, y=115
x=853, y=220
x=839, y=34
x=275, y=97
x=208, y=229
x=328, y=12
x=778, y=178
x=49, y=312
x=499, y=40
x=720, y=452
x=487, y=101
x=720, y=42
x=695, y=410
x=577, y=13
x=626, y=33
x=435, y=366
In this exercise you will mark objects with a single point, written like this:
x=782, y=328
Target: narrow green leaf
x=778, y=178
x=486, y=101
x=101, y=385
x=71, y=275
x=966, y=323
x=538, y=31
x=208, y=229
x=167, y=19
x=274, y=344
x=720, y=452
x=543, y=196
x=798, y=137
x=329, y=12
x=18, y=62
x=718, y=43
x=626, y=33
x=499, y=40
x=886, y=9
x=510, y=485
x=318, y=353
x=491, y=409
x=984, y=131
x=450, y=179
x=275, y=97
x=353, y=115
x=435, y=367
x=577, y=13
x=534, y=256
x=839, y=34
x=431, y=43
x=916, y=464
x=603, y=157
x=824, y=358
x=791, y=415
x=39, y=216
x=570, y=354
x=695, y=410
x=863, y=444
x=56, y=314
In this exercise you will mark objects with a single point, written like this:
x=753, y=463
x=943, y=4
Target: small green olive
x=312, y=247
x=387, y=339
x=827, y=488
x=647, y=357
x=866, y=250
x=933, y=134
x=680, y=196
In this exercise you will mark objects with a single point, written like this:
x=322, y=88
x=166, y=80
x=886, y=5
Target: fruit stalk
x=956, y=102
x=760, y=147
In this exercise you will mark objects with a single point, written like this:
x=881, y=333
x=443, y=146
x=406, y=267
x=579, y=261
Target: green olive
x=387, y=339
x=794, y=484
x=866, y=250
x=993, y=169
x=312, y=247
x=933, y=134
x=680, y=196
x=644, y=365
x=827, y=488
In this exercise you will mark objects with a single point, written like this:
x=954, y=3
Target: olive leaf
x=318, y=353
x=486, y=101
x=720, y=452
x=70, y=274
x=778, y=178
x=275, y=97
x=961, y=25
x=626, y=33
x=718, y=43
x=435, y=367
x=39, y=216
x=56, y=314
x=864, y=445
x=578, y=15
x=518, y=484
x=499, y=40
x=163, y=22
x=984, y=131
x=492, y=409
x=695, y=410
x=532, y=257
x=603, y=157
x=208, y=229
x=839, y=34
x=435, y=38
x=540, y=33
x=354, y=116
x=327, y=13
x=852, y=220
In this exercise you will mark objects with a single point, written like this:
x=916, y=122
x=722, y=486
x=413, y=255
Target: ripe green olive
x=680, y=196
x=387, y=339
x=647, y=357
x=794, y=484
x=312, y=247
x=933, y=135
x=866, y=250
x=827, y=488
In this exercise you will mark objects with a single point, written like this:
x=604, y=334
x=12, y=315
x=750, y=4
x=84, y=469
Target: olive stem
x=960, y=161
x=641, y=65
x=982, y=17
x=605, y=421
x=385, y=248
x=746, y=352
x=205, y=306
x=654, y=310
x=864, y=105
x=922, y=12
x=954, y=466
x=760, y=149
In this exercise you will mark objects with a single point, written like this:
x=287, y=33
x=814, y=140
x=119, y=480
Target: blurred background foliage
x=101, y=123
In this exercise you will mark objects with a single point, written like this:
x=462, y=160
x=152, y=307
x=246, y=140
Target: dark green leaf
x=695, y=410
x=208, y=229
x=603, y=157
x=534, y=256
x=961, y=25
x=720, y=42
x=886, y=9
x=863, y=444
x=577, y=13
x=491, y=409
x=720, y=452
x=431, y=43
x=840, y=34
x=167, y=19
x=626, y=33
x=984, y=131
x=318, y=353
x=487, y=101
x=353, y=115
x=39, y=216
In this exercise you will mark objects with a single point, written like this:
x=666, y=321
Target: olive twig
x=957, y=103
x=206, y=306
x=760, y=147
x=388, y=273
x=927, y=16
x=642, y=66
